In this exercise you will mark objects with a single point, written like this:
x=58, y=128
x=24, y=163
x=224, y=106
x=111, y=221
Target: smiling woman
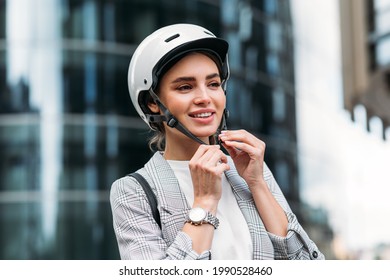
x=206, y=197
x=192, y=92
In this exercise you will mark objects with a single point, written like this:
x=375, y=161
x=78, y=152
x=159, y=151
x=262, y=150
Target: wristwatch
x=197, y=216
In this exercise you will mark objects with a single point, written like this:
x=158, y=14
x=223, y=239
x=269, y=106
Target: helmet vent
x=172, y=38
x=208, y=33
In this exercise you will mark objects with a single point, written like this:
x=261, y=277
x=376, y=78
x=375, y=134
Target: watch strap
x=212, y=220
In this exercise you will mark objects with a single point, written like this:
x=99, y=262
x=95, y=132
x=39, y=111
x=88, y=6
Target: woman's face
x=192, y=92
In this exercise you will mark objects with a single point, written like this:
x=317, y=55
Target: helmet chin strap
x=174, y=123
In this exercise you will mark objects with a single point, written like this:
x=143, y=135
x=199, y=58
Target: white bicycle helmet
x=158, y=52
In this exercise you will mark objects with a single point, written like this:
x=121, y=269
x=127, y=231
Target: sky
x=344, y=169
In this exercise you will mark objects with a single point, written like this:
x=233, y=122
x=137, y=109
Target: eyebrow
x=191, y=79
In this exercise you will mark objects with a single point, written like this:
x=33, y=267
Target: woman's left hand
x=247, y=152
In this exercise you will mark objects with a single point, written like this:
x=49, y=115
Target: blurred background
x=310, y=78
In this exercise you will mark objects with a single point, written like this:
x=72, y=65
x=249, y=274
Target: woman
x=212, y=205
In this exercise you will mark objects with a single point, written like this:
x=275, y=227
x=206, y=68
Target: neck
x=182, y=149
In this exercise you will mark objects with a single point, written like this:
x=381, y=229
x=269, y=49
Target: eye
x=184, y=87
x=215, y=84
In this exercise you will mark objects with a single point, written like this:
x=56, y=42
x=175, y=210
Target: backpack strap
x=149, y=194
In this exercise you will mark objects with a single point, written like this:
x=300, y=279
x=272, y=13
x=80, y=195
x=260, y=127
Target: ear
x=153, y=107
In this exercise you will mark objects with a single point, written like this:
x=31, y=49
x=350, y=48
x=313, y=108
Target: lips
x=202, y=115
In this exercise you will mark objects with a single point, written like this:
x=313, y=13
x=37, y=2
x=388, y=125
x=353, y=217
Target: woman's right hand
x=206, y=167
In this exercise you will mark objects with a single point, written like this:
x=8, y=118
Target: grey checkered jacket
x=139, y=236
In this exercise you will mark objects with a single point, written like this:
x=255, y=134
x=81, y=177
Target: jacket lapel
x=172, y=203
x=262, y=245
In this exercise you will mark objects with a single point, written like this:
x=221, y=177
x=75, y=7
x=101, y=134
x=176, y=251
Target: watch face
x=197, y=214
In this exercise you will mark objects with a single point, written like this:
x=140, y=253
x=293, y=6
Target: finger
x=231, y=150
x=238, y=135
x=243, y=137
x=244, y=147
x=207, y=156
x=203, y=155
x=199, y=152
x=222, y=167
x=213, y=157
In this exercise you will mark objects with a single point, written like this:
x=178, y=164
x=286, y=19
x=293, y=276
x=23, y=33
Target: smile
x=202, y=115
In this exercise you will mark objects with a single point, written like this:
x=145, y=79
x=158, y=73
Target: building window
x=279, y=104
x=379, y=28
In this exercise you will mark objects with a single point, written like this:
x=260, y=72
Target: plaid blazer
x=139, y=236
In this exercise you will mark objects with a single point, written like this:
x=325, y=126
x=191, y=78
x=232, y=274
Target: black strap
x=149, y=194
x=169, y=118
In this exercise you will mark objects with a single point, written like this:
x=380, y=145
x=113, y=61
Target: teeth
x=202, y=115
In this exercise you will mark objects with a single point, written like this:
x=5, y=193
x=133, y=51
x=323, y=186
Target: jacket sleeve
x=297, y=244
x=138, y=235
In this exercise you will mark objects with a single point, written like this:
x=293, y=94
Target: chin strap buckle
x=172, y=122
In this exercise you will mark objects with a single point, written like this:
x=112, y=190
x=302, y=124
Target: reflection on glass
x=383, y=51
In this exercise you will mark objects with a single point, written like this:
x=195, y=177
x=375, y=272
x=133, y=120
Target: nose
x=202, y=96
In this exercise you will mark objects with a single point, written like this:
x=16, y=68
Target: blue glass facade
x=379, y=28
x=67, y=126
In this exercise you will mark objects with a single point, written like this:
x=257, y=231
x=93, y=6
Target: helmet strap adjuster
x=172, y=122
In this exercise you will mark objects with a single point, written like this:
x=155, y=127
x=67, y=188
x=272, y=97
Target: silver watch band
x=212, y=220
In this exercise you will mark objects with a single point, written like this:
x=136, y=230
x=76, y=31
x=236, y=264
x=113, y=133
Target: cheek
x=176, y=103
x=220, y=100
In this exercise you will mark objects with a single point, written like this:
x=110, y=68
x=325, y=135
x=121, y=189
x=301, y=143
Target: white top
x=232, y=239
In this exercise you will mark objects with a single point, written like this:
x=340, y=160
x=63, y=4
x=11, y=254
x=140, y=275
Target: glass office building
x=67, y=125
x=365, y=44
